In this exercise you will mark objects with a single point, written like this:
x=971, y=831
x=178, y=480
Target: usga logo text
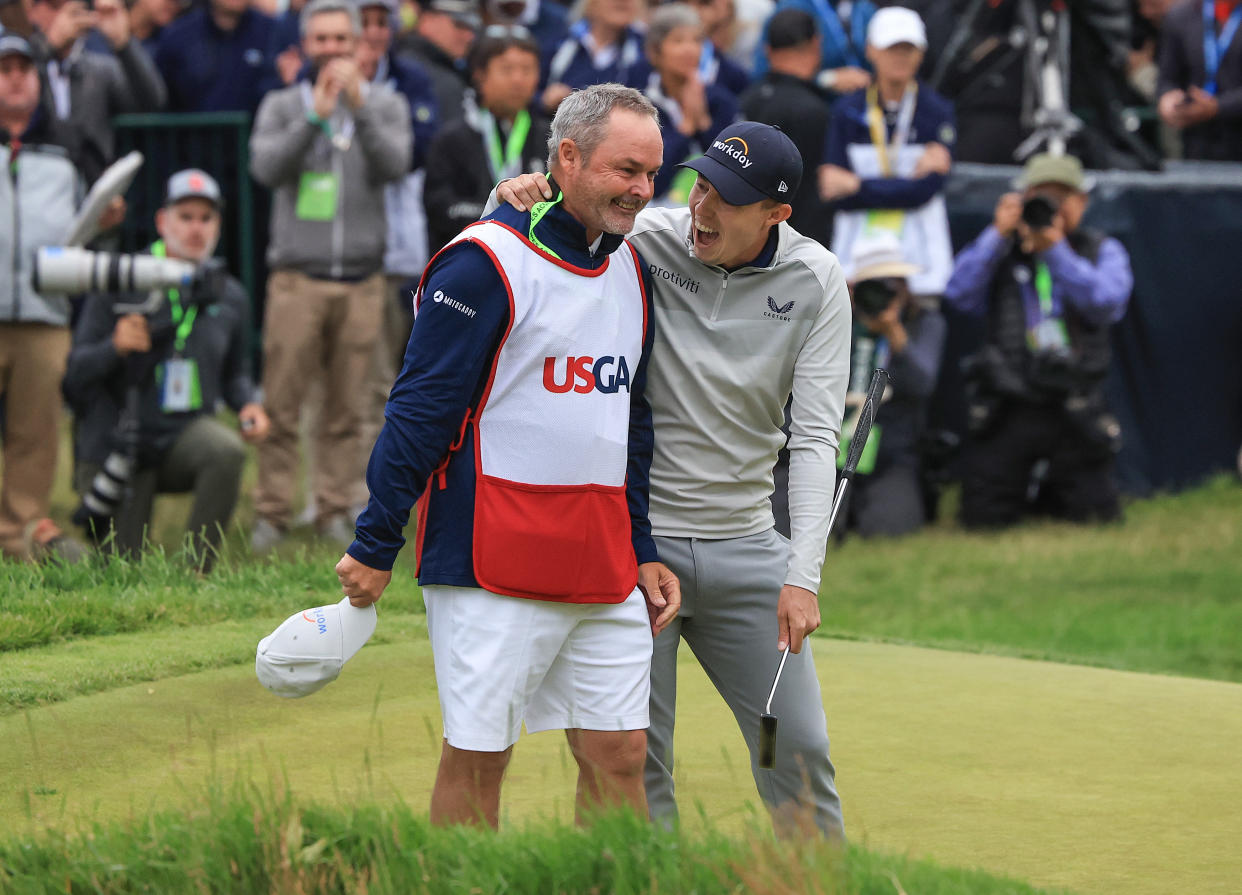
x=320, y=619
x=583, y=375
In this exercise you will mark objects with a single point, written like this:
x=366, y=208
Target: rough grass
x=247, y=842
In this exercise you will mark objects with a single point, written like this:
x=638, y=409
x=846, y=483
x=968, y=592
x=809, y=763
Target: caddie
x=748, y=312
x=521, y=424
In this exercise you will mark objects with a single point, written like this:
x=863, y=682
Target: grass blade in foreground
x=256, y=844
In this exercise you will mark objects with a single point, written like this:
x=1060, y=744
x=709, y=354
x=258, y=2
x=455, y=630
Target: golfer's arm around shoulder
x=447, y=359
x=821, y=374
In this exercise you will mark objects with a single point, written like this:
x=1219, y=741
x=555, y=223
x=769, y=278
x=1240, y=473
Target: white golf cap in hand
x=309, y=648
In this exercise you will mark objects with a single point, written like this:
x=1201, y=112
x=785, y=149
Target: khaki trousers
x=32, y=365
x=205, y=460
x=315, y=329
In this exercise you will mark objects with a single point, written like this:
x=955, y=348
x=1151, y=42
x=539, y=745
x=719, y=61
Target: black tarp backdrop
x=1176, y=378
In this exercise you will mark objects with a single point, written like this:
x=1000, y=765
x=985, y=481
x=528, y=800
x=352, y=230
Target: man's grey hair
x=667, y=19
x=583, y=116
x=315, y=7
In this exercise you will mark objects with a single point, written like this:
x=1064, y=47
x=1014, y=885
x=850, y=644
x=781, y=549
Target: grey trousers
x=206, y=459
x=728, y=617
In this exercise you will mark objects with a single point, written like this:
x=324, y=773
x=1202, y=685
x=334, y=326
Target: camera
x=872, y=297
x=1038, y=212
x=67, y=269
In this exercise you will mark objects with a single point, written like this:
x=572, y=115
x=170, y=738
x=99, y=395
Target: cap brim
x=885, y=270
x=733, y=188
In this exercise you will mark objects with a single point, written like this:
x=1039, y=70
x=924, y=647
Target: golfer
x=748, y=312
x=520, y=424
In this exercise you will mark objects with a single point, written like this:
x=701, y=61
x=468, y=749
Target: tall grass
x=249, y=842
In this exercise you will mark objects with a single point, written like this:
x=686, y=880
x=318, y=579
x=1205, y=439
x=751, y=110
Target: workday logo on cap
x=749, y=162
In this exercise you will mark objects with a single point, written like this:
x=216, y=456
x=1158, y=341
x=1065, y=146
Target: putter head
x=767, y=741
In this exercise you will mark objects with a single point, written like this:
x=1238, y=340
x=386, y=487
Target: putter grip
x=767, y=741
x=866, y=417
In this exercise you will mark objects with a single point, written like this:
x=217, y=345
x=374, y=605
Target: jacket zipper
x=338, y=223
x=17, y=240
x=724, y=284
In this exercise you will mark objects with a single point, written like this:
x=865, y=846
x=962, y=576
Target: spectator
x=326, y=147
x=37, y=207
x=1050, y=290
x=285, y=50
x=546, y=20
x=895, y=330
x=888, y=153
x=1200, y=83
x=604, y=46
x=691, y=112
x=788, y=97
x=406, y=253
x=197, y=337
x=715, y=65
x=441, y=38
x=215, y=59
x=87, y=87
x=149, y=18
x=843, y=31
x=499, y=137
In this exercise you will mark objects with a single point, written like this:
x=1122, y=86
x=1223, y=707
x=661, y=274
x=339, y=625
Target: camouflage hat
x=1048, y=168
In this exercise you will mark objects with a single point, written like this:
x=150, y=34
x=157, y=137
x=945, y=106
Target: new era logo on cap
x=309, y=648
x=749, y=162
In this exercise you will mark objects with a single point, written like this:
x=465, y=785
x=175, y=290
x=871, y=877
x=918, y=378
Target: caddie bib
x=551, y=429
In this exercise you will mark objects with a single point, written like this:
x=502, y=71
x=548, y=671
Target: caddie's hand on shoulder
x=662, y=591
x=797, y=615
x=361, y=583
x=524, y=191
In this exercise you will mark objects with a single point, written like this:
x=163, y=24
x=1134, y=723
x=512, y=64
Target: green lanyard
x=1043, y=288
x=501, y=162
x=184, y=320
x=538, y=210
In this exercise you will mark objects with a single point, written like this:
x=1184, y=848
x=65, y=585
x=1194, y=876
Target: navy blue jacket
x=411, y=80
x=209, y=70
x=572, y=64
x=446, y=367
x=933, y=122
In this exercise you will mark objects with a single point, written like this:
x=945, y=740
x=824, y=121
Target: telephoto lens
x=872, y=297
x=1038, y=212
x=69, y=270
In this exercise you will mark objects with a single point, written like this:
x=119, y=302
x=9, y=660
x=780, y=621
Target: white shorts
x=504, y=661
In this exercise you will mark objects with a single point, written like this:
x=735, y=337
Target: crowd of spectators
x=379, y=127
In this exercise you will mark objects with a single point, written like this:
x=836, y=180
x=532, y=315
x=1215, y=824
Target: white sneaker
x=265, y=537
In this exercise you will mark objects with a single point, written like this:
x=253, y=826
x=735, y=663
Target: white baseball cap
x=309, y=648
x=879, y=256
x=896, y=25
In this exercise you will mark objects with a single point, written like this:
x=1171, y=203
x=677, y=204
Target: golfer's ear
x=780, y=212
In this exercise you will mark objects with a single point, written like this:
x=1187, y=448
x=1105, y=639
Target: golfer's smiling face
x=729, y=235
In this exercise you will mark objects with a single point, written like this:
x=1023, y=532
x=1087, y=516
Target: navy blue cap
x=13, y=44
x=749, y=162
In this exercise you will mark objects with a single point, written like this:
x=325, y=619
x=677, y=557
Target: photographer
x=1050, y=290
x=43, y=160
x=188, y=355
x=895, y=330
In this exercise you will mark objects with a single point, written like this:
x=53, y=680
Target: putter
x=767, y=722
x=862, y=429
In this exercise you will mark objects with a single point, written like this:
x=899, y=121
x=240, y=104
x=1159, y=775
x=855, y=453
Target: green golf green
x=1096, y=780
